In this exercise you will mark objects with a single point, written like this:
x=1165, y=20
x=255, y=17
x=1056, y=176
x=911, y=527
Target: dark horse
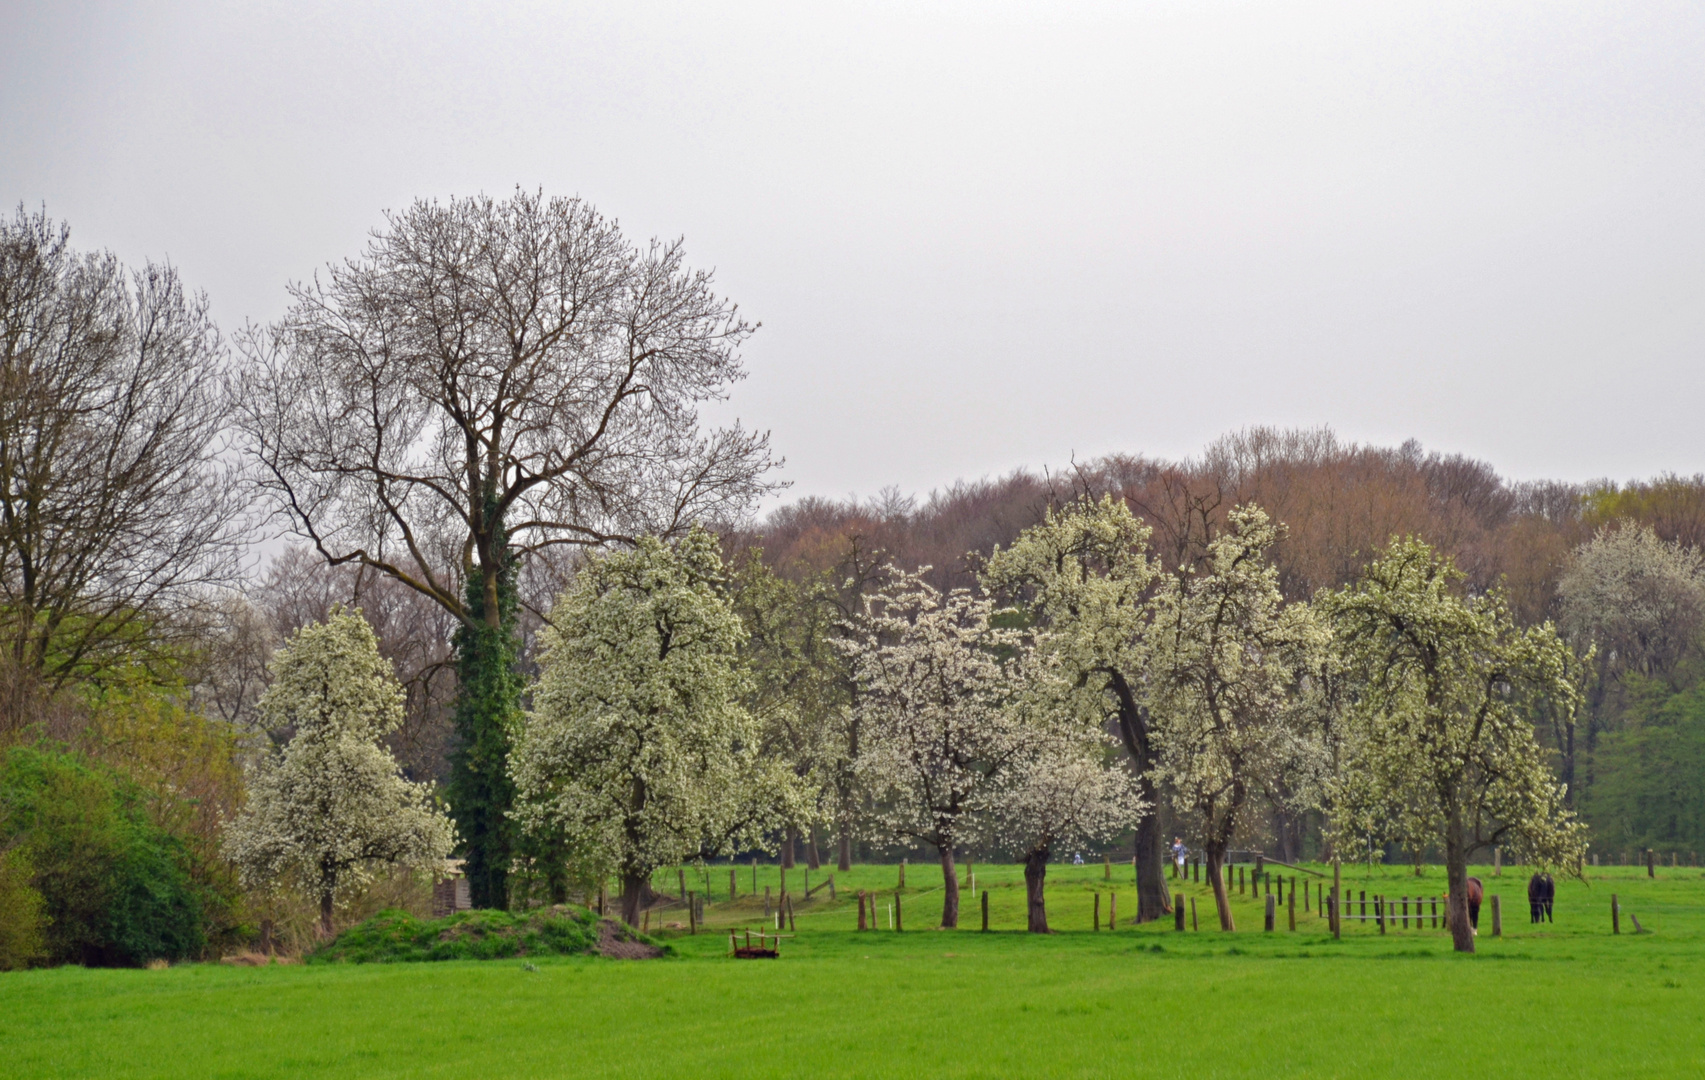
x=1476, y=893
x=1541, y=891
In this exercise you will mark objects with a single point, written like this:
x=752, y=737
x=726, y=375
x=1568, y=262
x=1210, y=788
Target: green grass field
x=1561, y=1000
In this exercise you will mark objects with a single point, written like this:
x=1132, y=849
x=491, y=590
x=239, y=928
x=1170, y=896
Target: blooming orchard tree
x=1228, y=667
x=1084, y=576
x=1068, y=794
x=331, y=808
x=637, y=752
x=936, y=693
x=1443, y=685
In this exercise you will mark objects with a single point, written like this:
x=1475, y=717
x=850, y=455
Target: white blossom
x=637, y=751
x=936, y=693
x=331, y=808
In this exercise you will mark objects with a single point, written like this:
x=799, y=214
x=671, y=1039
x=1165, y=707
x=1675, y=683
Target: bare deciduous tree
x=116, y=512
x=492, y=379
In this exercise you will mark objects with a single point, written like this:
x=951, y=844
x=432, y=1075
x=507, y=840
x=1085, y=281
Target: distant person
x=1179, y=851
x=1541, y=892
x=1077, y=859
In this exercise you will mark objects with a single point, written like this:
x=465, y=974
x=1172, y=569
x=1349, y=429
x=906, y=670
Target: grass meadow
x=1565, y=999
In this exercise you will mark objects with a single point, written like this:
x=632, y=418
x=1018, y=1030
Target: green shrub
x=20, y=913
x=396, y=936
x=114, y=887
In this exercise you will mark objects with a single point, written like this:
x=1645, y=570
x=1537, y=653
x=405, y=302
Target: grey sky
x=980, y=235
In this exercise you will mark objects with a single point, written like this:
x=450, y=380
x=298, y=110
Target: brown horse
x=1476, y=893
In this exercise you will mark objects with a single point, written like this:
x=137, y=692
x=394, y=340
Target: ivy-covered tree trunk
x=488, y=706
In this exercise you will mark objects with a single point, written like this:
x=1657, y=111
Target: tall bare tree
x=493, y=378
x=116, y=512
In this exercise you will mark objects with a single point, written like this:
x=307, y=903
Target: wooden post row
x=1497, y=918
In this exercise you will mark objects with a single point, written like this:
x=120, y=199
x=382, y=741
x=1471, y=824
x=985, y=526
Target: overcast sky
x=979, y=235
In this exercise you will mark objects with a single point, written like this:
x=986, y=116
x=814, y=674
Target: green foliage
x=21, y=941
x=488, y=708
x=115, y=887
x=1648, y=778
x=398, y=937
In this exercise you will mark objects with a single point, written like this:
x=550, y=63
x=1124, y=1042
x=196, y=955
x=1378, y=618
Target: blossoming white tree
x=1069, y=793
x=1084, y=577
x=1443, y=684
x=1228, y=661
x=637, y=752
x=936, y=687
x=331, y=808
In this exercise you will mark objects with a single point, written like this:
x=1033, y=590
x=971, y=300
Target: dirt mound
x=617, y=941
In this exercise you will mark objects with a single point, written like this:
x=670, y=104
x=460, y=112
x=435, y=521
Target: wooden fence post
x=1379, y=911
x=791, y=928
x=1096, y=926
x=985, y=911
x=1107, y=868
x=681, y=876
x=902, y=884
x=1271, y=904
x=861, y=921
x=1497, y=918
x=1497, y=862
x=692, y=914
x=897, y=923
x=1615, y=916
x=1178, y=912
x=1293, y=903
x=1193, y=913
x=1112, y=911
x=733, y=884
x=766, y=901
x=1651, y=873
x=1337, y=900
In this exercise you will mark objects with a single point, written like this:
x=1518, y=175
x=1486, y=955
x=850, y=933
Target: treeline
x=458, y=427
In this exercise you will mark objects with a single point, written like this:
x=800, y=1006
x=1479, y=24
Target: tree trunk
x=788, y=846
x=812, y=859
x=1456, y=873
x=633, y=894
x=488, y=699
x=1215, y=851
x=1035, y=876
x=950, y=882
x=1153, y=900
x=326, y=913
x=843, y=850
